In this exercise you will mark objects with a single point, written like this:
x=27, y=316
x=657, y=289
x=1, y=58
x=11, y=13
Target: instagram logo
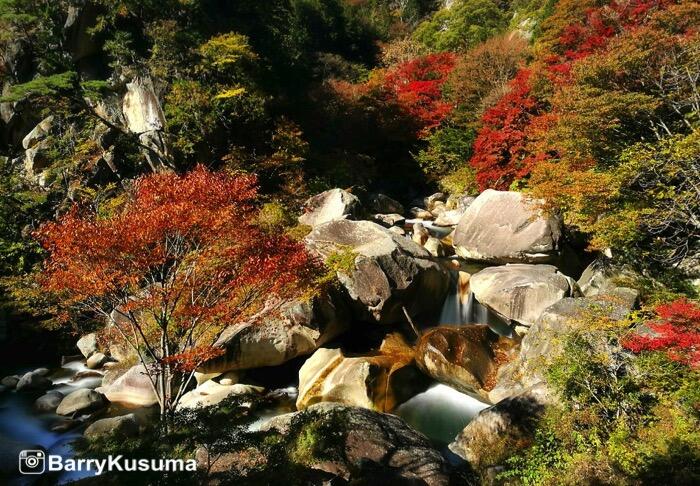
x=32, y=462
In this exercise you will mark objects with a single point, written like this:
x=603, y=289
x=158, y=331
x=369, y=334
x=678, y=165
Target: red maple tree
x=676, y=332
x=180, y=261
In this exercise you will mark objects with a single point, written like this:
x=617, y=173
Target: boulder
x=431, y=201
x=603, y=275
x=97, y=360
x=210, y=393
x=87, y=344
x=398, y=230
x=36, y=160
x=389, y=220
x=132, y=389
x=506, y=227
x=421, y=213
x=300, y=329
x=390, y=273
x=467, y=358
x=33, y=381
x=544, y=340
x=81, y=402
x=380, y=203
x=420, y=234
x=499, y=430
x=368, y=447
x=123, y=426
x=204, y=377
x=521, y=292
x=378, y=382
x=10, y=381
x=435, y=247
x=450, y=217
x=328, y=206
x=48, y=402
x=40, y=132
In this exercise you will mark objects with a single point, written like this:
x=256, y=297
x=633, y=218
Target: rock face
x=210, y=393
x=81, y=402
x=302, y=328
x=504, y=227
x=40, y=132
x=544, y=340
x=373, y=382
x=390, y=272
x=600, y=276
x=501, y=428
x=466, y=358
x=144, y=117
x=521, y=292
x=132, y=389
x=87, y=344
x=123, y=426
x=371, y=447
x=328, y=206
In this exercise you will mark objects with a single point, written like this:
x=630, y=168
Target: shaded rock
x=301, y=329
x=602, y=276
x=431, y=201
x=41, y=371
x=87, y=344
x=210, y=393
x=79, y=39
x=204, y=377
x=65, y=424
x=123, y=426
x=81, y=402
x=32, y=381
x=506, y=227
x=390, y=272
x=328, y=206
x=133, y=388
x=521, y=292
x=380, y=203
x=435, y=247
x=10, y=381
x=97, y=360
x=48, y=402
x=499, y=430
x=229, y=378
x=420, y=234
x=421, y=213
x=544, y=341
x=389, y=220
x=466, y=358
x=378, y=382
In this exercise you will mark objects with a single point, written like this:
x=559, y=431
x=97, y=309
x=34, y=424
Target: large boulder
x=521, y=292
x=33, y=381
x=506, y=227
x=210, y=393
x=367, y=446
x=389, y=272
x=123, y=426
x=544, y=340
x=132, y=389
x=300, y=329
x=81, y=402
x=499, y=430
x=87, y=344
x=467, y=358
x=48, y=402
x=329, y=206
x=378, y=382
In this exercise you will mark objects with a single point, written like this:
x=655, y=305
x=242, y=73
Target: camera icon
x=32, y=462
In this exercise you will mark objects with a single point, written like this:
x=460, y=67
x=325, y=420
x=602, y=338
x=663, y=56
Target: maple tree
x=180, y=261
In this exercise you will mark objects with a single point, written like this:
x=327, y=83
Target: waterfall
x=461, y=307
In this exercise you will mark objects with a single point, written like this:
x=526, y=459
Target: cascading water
x=461, y=307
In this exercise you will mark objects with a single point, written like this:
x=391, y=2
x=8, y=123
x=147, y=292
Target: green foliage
x=448, y=148
x=462, y=26
x=42, y=86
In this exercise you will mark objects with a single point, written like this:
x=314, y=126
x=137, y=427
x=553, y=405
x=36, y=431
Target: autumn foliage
x=676, y=332
x=177, y=263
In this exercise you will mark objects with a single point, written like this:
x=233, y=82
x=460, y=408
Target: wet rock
x=33, y=381
x=48, y=402
x=132, y=389
x=390, y=272
x=501, y=429
x=301, y=328
x=210, y=393
x=124, y=426
x=87, y=344
x=10, y=381
x=506, y=227
x=328, y=206
x=81, y=402
x=521, y=292
x=467, y=358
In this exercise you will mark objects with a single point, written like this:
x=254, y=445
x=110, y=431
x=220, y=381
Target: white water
x=440, y=412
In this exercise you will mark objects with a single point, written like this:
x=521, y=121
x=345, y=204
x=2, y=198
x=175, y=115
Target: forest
x=426, y=242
